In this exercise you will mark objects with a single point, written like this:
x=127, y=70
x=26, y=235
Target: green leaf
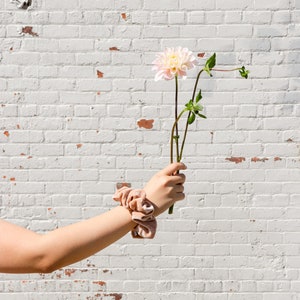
x=210, y=63
x=243, y=72
x=191, y=118
x=199, y=97
x=201, y=116
x=197, y=107
x=189, y=105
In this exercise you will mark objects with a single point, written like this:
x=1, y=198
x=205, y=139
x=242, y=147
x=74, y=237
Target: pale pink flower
x=173, y=62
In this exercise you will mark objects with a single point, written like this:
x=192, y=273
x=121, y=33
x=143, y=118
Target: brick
x=234, y=5
x=235, y=30
x=54, y=31
x=257, y=17
x=159, y=18
x=267, y=4
x=56, y=3
x=95, y=31
x=97, y=5
x=160, y=31
x=166, y=5
x=67, y=45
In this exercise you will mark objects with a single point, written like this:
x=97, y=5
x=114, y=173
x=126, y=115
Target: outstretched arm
x=23, y=251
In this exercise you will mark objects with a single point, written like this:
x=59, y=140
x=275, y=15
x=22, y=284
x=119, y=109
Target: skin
x=24, y=251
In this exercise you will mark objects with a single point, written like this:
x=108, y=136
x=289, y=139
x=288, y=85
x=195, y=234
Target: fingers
x=178, y=196
x=173, y=168
x=177, y=179
x=179, y=188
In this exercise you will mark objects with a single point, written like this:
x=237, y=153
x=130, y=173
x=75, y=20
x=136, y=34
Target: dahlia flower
x=173, y=62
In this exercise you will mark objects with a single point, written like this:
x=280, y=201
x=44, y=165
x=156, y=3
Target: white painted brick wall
x=68, y=137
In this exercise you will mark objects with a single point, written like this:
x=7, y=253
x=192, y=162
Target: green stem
x=187, y=124
x=221, y=70
x=176, y=116
x=172, y=135
x=175, y=125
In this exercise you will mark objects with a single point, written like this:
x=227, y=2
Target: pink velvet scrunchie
x=141, y=211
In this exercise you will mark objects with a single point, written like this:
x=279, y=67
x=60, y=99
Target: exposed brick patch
x=114, y=49
x=201, y=54
x=28, y=30
x=143, y=123
x=124, y=16
x=256, y=159
x=6, y=133
x=69, y=272
x=117, y=296
x=79, y=146
x=236, y=160
x=101, y=283
x=99, y=74
x=277, y=158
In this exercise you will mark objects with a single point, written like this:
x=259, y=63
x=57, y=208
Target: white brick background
x=68, y=137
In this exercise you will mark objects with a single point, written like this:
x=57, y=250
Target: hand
x=166, y=187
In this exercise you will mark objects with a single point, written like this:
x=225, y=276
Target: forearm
x=23, y=251
x=75, y=242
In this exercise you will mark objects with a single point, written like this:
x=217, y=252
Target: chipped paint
x=114, y=49
x=6, y=133
x=69, y=272
x=124, y=16
x=277, y=158
x=117, y=296
x=236, y=160
x=99, y=74
x=79, y=146
x=143, y=123
x=28, y=30
x=256, y=159
x=201, y=54
x=101, y=283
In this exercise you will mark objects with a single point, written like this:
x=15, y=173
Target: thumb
x=173, y=168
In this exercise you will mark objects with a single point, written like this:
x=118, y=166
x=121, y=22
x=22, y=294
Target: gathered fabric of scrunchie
x=141, y=210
